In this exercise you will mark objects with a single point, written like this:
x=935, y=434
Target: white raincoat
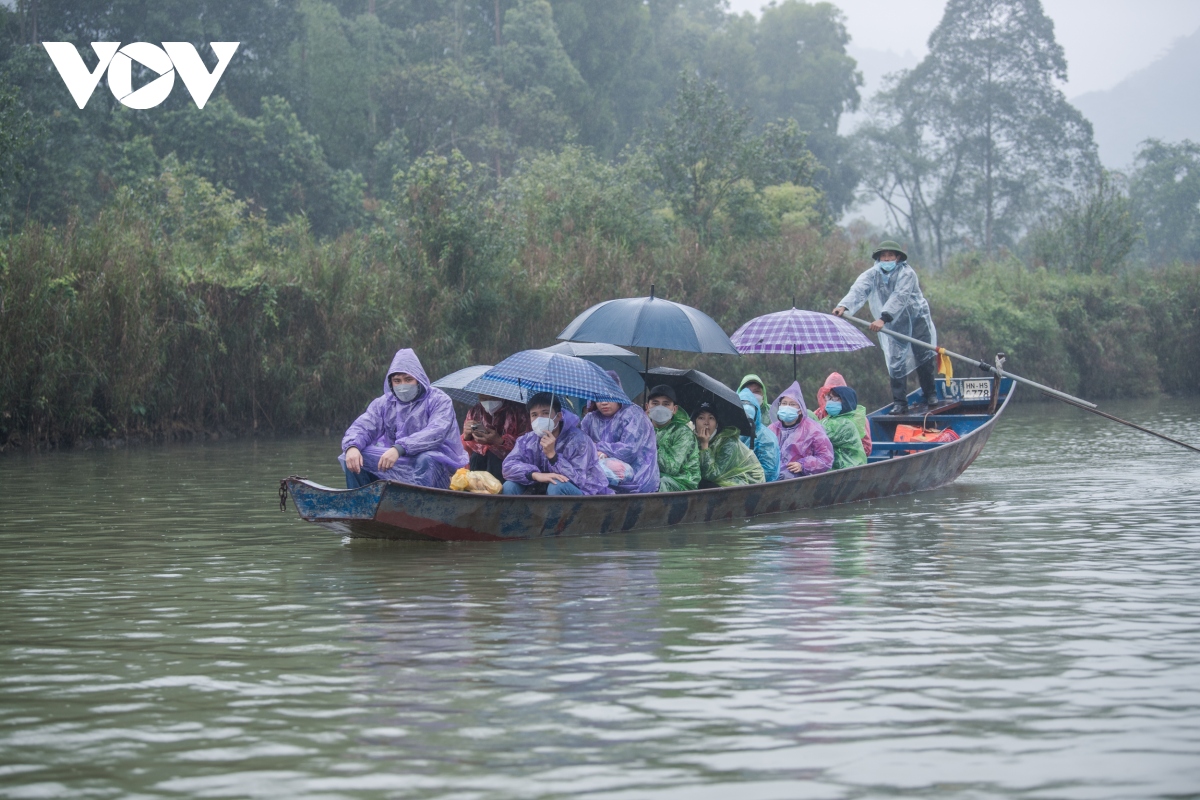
x=899, y=295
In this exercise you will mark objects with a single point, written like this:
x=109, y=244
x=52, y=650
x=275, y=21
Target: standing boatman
x=894, y=293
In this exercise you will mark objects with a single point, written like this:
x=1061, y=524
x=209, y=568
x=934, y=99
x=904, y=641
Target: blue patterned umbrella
x=455, y=383
x=537, y=371
x=627, y=365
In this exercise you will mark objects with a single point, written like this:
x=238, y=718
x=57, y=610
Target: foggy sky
x=1105, y=40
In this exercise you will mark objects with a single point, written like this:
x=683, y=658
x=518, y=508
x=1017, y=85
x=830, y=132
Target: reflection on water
x=1033, y=631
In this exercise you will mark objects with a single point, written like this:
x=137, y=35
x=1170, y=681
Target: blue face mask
x=887, y=266
x=833, y=407
x=787, y=414
x=750, y=410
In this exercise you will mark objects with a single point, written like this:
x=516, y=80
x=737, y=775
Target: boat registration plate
x=977, y=389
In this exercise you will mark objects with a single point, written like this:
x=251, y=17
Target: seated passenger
x=555, y=457
x=804, y=449
x=759, y=390
x=841, y=428
x=765, y=445
x=860, y=413
x=622, y=433
x=490, y=431
x=409, y=434
x=678, y=453
x=724, y=460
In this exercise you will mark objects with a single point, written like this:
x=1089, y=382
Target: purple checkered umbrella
x=795, y=331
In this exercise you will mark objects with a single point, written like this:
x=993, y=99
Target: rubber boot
x=926, y=375
x=899, y=395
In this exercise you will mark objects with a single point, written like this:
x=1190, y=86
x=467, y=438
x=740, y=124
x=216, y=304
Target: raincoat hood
x=796, y=394
x=848, y=397
x=834, y=379
x=748, y=397
x=406, y=361
x=755, y=379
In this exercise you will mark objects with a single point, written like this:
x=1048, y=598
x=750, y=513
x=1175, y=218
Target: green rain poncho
x=678, y=455
x=728, y=462
x=764, y=405
x=844, y=433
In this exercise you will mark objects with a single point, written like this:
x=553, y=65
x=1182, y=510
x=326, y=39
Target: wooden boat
x=387, y=510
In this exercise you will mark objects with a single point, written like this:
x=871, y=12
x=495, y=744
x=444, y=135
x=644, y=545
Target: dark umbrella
x=649, y=322
x=627, y=365
x=693, y=387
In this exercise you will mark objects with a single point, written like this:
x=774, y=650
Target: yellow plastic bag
x=475, y=482
x=484, y=483
x=459, y=481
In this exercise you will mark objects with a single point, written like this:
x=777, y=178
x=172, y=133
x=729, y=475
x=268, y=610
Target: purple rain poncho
x=805, y=442
x=628, y=436
x=425, y=428
x=575, y=458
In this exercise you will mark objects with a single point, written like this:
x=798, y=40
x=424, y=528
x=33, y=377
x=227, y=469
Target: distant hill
x=1160, y=101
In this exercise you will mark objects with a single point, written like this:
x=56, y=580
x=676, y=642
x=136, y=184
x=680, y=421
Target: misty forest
x=465, y=176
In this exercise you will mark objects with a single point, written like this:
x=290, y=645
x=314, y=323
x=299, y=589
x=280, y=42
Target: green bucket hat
x=889, y=245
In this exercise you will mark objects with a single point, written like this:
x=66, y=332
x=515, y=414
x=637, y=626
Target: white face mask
x=659, y=415
x=406, y=392
x=542, y=425
x=491, y=406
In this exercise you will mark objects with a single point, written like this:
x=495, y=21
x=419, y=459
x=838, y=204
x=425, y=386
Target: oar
x=1046, y=390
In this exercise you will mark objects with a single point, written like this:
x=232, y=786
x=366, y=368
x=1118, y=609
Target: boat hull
x=385, y=510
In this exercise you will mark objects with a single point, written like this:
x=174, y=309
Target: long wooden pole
x=1046, y=390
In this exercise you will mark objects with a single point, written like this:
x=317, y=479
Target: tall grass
x=173, y=312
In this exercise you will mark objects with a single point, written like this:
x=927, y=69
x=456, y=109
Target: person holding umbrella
x=724, y=460
x=678, y=453
x=622, y=432
x=555, y=457
x=893, y=290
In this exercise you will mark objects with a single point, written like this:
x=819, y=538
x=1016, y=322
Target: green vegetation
x=465, y=176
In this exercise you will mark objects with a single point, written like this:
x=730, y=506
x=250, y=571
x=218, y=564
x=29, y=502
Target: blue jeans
x=553, y=489
x=361, y=479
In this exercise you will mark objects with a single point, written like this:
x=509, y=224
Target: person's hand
x=839, y=311
x=488, y=436
x=354, y=460
x=389, y=457
x=601, y=454
x=877, y=326
x=795, y=468
x=703, y=434
x=547, y=442
x=549, y=477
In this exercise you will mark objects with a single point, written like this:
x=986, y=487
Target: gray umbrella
x=453, y=384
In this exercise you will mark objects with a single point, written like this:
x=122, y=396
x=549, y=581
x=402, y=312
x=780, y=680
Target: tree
x=706, y=154
x=1165, y=188
x=806, y=75
x=993, y=138
x=1092, y=232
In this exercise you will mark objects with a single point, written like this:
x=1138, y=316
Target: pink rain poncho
x=425, y=430
x=804, y=443
x=628, y=436
x=575, y=458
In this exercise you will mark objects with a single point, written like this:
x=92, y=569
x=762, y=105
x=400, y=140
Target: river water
x=1032, y=631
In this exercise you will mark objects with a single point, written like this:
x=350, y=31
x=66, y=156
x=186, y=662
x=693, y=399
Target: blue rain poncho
x=897, y=295
x=765, y=445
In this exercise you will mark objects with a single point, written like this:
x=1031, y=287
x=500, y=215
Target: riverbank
x=186, y=316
